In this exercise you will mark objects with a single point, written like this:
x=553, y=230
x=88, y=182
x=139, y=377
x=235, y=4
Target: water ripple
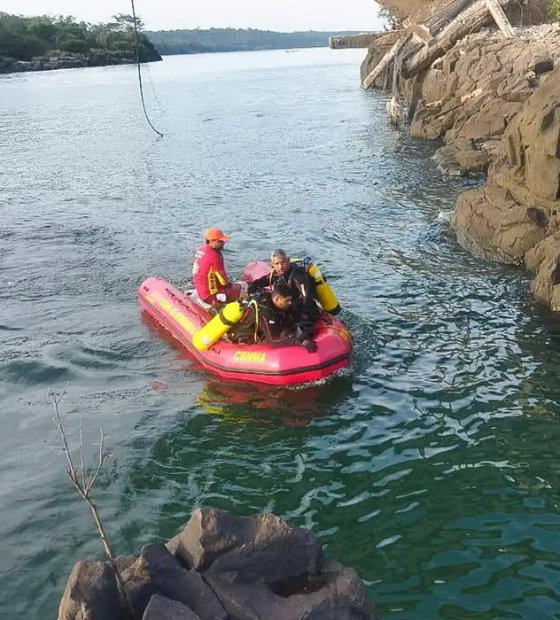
x=430, y=465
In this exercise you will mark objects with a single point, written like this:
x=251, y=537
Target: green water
x=430, y=466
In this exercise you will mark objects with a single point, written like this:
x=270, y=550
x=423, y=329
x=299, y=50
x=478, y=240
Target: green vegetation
x=236, y=39
x=25, y=38
x=554, y=8
x=393, y=17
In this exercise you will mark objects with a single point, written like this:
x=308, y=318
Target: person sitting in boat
x=298, y=280
x=270, y=317
x=209, y=273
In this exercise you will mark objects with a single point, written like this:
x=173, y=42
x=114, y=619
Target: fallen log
x=416, y=36
x=500, y=18
x=470, y=20
x=384, y=62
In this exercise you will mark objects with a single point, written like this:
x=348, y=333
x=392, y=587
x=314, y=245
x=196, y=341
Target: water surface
x=429, y=466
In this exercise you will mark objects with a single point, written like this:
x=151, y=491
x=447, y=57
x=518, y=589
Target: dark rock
x=91, y=593
x=161, y=608
x=344, y=597
x=544, y=66
x=336, y=593
x=173, y=545
x=275, y=551
x=246, y=549
x=248, y=601
x=252, y=568
x=156, y=571
x=210, y=533
x=95, y=58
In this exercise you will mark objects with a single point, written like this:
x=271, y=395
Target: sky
x=282, y=15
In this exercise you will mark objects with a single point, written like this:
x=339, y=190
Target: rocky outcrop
x=100, y=58
x=493, y=101
x=469, y=96
x=515, y=217
x=222, y=567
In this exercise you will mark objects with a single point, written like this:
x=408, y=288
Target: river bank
x=490, y=101
x=69, y=61
x=45, y=43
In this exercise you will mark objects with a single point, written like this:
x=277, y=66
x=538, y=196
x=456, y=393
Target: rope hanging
x=139, y=72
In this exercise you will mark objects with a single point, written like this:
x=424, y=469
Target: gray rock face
x=91, y=593
x=161, y=607
x=222, y=567
x=157, y=572
x=246, y=549
x=335, y=593
x=516, y=216
x=495, y=103
x=470, y=96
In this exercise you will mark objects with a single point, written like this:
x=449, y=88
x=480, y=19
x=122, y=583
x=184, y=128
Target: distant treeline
x=25, y=38
x=235, y=39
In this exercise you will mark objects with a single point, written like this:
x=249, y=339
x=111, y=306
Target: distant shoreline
x=217, y=40
x=44, y=43
x=55, y=63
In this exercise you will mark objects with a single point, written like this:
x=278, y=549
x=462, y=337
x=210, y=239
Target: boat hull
x=181, y=316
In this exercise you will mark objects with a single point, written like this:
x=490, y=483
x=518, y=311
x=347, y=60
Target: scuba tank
x=325, y=294
x=210, y=333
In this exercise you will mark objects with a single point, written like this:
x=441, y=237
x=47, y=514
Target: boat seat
x=194, y=296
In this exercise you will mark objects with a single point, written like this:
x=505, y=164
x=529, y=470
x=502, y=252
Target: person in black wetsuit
x=298, y=280
x=270, y=317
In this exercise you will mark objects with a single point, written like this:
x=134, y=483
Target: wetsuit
x=263, y=321
x=303, y=287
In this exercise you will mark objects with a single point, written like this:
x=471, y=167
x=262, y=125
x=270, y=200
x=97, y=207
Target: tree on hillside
x=24, y=38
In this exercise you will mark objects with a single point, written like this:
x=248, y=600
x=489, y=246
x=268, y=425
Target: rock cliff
x=470, y=95
x=515, y=216
x=493, y=103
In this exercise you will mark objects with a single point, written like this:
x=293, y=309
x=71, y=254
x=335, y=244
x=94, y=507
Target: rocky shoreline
x=221, y=567
x=493, y=103
x=69, y=61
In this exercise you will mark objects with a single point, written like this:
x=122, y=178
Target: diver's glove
x=310, y=345
x=221, y=297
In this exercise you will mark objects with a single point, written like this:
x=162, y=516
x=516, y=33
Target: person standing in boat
x=209, y=273
x=301, y=284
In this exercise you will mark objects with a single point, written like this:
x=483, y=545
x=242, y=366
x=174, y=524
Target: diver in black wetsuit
x=271, y=317
x=298, y=280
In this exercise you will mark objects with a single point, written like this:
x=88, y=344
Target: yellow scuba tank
x=208, y=335
x=326, y=297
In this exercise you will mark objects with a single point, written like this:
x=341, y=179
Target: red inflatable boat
x=181, y=315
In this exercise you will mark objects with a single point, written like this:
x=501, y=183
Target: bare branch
x=84, y=489
x=102, y=459
x=82, y=457
x=56, y=401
